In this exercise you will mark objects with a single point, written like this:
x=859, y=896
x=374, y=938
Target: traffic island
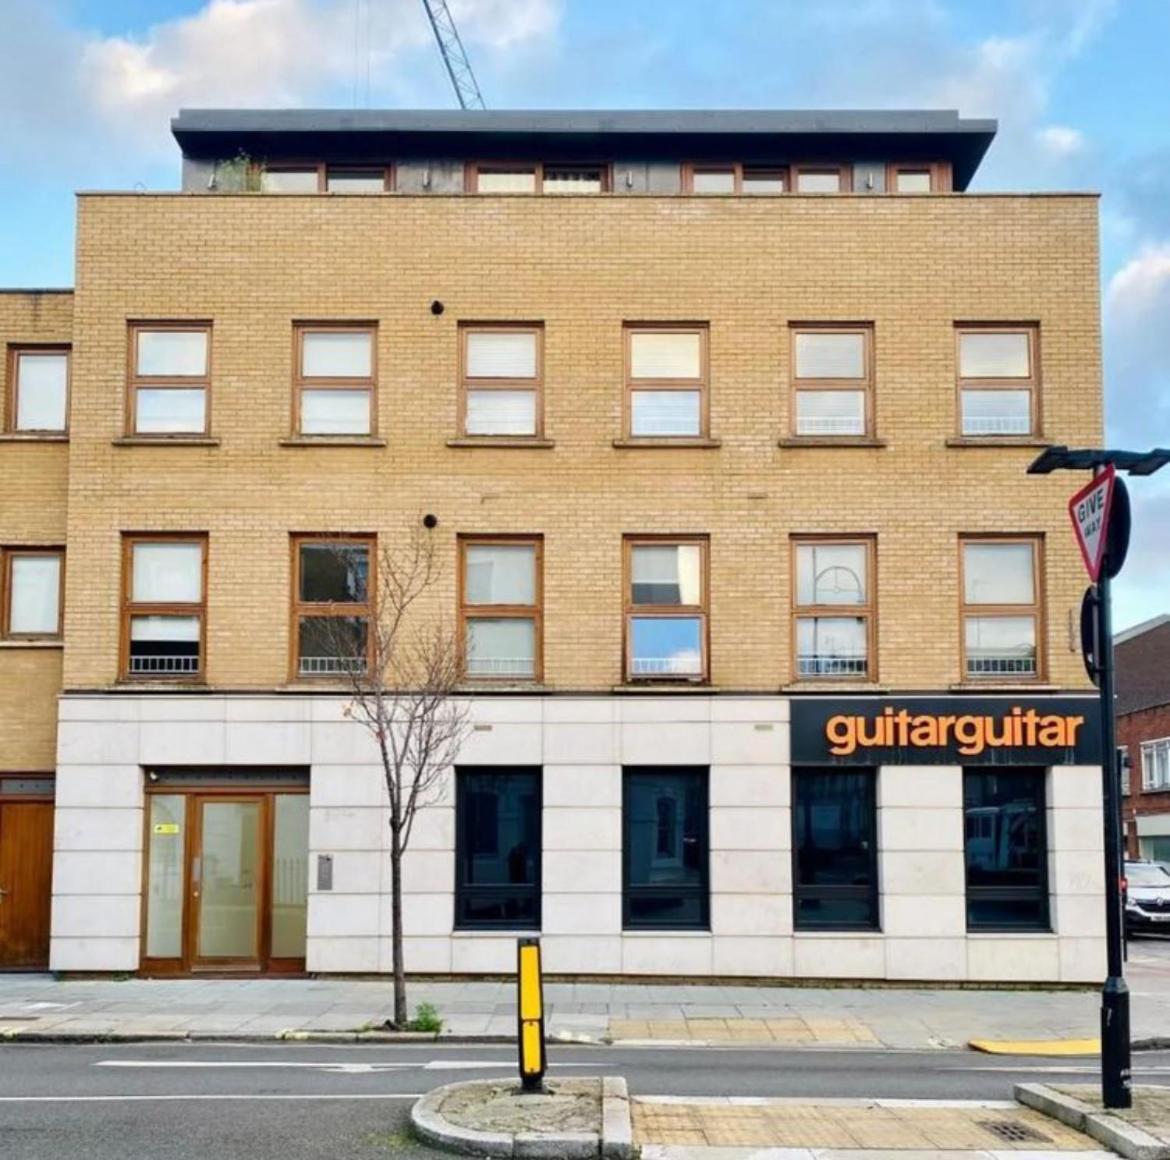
x=574, y=1119
x=1141, y=1132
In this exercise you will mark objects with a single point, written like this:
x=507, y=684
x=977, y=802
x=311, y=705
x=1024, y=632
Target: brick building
x=1142, y=655
x=724, y=418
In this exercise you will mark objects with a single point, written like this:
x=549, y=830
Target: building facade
x=723, y=419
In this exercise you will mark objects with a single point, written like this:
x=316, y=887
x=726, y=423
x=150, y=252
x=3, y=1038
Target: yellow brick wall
x=911, y=266
x=33, y=492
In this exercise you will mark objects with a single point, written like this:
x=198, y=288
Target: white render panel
x=1082, y=960
x=773, y=709
x=582, y=828
x=423, y=914
x=581, y=872
x=766, y=915
x=665, y=954
x=1075, y=787
x=166, y=707
x=267, y=709
x=503, y=744
x=572, y=743
x=72, y=707
x=922, y=872
x=506, y=710
x=354, y=872
x=912, y=828
x=182, y=743
x=1078, y=872
x=583, y=785
x=753, y=957
x=749, y=743
x=581, y=914
x=682, y=743
x=267, y=743
x=328, y=955
x=744, y=828
x=424, y=872
x=433, y=829
x=342, y=743
x=91, y=829
x=97, y=743
x=1076, y=830
x=475, y=954
x=425, y=955
x=347, y=828
x=344, y=915
x=1078, y=916
x=924, y=916
x=97, y=872
x=751, y=786
x=823, y=956
x=929, y=959
x=348, y=785
x=646, y=709
x=99, y=786
x=921, y=786
x=1011, y=959
x=93, y=954
x=96, y=915
x=750, y=872
x=562, y=954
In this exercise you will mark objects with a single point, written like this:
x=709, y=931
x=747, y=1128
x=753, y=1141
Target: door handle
x=196, y=875
x=3, y=894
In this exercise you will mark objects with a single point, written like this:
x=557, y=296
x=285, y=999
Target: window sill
x=34, y=437
x=32, y=644
x=844, y=685
x=997, y=441
x=1002, y=934
x=1004, y=687
x=666, y=931
x=658, y=444
x=502, y=685
x=839, y=931
x=165, y=441
x=831, y=441
x=162, y=684
x=332, y=441
x=681, y=686
x=509, y=441
x=495, y=932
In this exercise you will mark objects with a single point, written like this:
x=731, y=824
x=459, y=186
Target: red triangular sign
x=1089, y=511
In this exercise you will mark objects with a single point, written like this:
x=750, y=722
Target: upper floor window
x=170, y=378
x=357, y=179
x=821, y=179
x=30, y=593
x=322, y=178
x=832, y=379
x=666, y=381
x=735, y=178
x=666, y=608
x=1001, y=610
x=38, y=389
x=501, y=379
x=1156, y=764
x=534, y=177
x=290, y=179
x=834, y=608
x=500, y=606
x=332, y=605
x=336, y=372
x=163, y=605
x=998, y=380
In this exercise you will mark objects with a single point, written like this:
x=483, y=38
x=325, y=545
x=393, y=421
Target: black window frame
x=466, y=891
x=702, y=891
x=1011, y=893
x=870, y=893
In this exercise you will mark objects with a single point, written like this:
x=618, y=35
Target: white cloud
x=1060, y=141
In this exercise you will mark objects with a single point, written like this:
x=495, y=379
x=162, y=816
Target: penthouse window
x=998, y=380
x=832, y=378
x=913, y=178
x=336, y=373
x=332, y=602
x=502, y=379
x=537, y=178
x=666, y=381
x=30, y=593
x=1001, y=610
x=163, y=605
x=821, y=179
x=170, y=378
x=38, y=390
x=834, y=608
x=323, y=178
x=735, y=178
x=666, y=609
x=500, y=606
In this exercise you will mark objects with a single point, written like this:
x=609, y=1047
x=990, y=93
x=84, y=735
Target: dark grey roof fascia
x=1138, y=629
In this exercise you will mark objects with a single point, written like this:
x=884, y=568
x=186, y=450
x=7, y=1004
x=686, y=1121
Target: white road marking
x=232, y=1096
x=336, y=1066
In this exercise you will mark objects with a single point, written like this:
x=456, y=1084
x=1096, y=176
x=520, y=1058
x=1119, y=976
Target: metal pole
x=1115, y=1060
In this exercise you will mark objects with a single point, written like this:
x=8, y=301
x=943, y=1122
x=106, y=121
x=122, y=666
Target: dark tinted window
x=334, y=574
x=665, y=849
x=834, y=850
x=1006, y=851
x=497, y=848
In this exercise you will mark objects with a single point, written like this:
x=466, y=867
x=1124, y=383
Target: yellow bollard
x=530, y=1008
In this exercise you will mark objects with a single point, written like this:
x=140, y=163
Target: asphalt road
x=308, y=1101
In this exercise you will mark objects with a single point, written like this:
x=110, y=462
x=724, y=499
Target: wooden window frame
x=701, y=384
x=12, y=391
x=302, y=383
x=700, y=611
x=1031, y=384
x=738, y=171
x=867, y=612
x=864, y=384
x=1036, y=610
x=939, y=171
x=301, y=609
x=472, y=170
x=322, y=170
x=8, y=555
x=131, y=608
x=844, y=173
x=533, y=612
x=136, y=382
x=535, y=384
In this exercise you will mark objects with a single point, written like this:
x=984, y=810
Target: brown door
x=26, y=883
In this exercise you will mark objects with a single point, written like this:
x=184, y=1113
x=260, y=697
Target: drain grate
x=1014, y=1132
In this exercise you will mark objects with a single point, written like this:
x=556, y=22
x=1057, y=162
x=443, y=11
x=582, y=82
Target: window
x=30, y=593
x=822, y=179
x=735, y=178
x=834, y=844
x=1006, y=851
x=497, y=848
x=170, y=378
x=1156, y=764
x=502, y=377
x=834, y=608
x=664, y=849
x=1123, y=769
x=666, y=609
x=38, y=392
x=1002, y=624
x=500, y=607
x=666, y=381
x=336, y=371
x=533, y=177
x=575, y=179
x=505, y=179
x=164, y=605
x=998, y=380
x=332, y=600
x=355, y=179
x=832, y=378
x=291, y=179
x=910, y=179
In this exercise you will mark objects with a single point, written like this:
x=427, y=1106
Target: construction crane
x=454, y=56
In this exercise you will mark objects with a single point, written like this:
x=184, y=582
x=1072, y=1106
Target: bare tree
x=403, y=667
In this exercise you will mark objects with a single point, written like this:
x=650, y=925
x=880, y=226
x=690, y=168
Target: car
x=1147, y=897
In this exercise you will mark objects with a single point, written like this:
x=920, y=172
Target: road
x=307, y=1101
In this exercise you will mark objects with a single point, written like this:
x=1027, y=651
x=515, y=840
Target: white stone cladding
x=581, y=742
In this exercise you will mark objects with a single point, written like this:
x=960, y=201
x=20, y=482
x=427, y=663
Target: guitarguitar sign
x=1089, y=512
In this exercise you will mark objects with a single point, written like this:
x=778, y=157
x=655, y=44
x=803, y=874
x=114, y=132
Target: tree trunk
x=401, y=1015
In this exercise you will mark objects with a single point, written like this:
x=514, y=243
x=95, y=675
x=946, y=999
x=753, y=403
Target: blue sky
x=1079, y=87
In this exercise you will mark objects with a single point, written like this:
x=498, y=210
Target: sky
x=1079, y=87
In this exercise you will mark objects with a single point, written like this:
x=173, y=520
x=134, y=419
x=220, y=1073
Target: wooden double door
x=227, y=882
x=26, y=881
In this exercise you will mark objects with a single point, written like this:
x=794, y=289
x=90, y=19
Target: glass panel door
x=226, y=880
x=290, y=874
x=166, y=838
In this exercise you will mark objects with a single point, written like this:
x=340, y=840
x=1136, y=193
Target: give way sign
x=1089, y=511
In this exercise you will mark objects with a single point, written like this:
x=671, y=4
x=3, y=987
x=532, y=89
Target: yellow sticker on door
x=166, y=827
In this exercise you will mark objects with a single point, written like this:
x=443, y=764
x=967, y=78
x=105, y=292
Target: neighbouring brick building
x=725, y=420
x=1142, y=656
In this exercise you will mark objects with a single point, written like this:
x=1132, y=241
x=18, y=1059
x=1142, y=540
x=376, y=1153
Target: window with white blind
x=832, y=379
x=666, y=381
x=1001, y=610
x=502, y=379
x=505, y=179
x=170, y=379
x=163, y=606
x=38, y=393
x=998, y=380
x=500, y=606
x=335, y=378
x=1156, y=764
x=30, y=593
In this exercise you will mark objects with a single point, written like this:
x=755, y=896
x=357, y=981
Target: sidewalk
x=37, y=1006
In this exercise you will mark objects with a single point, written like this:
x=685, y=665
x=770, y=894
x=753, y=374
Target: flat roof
x=602, y=134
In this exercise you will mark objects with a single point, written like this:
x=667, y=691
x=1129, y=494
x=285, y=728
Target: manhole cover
x=1014, y=1132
